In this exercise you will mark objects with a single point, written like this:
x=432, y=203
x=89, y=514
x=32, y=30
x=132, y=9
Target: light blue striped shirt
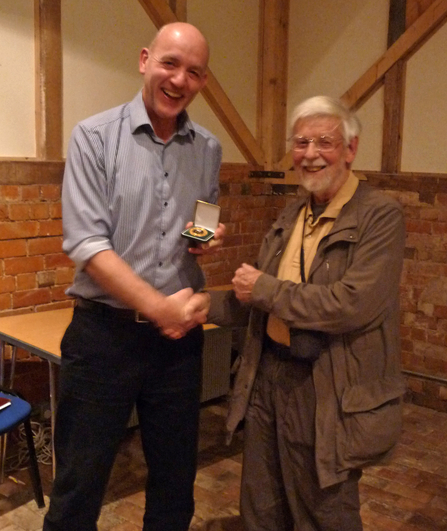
x=126, y=190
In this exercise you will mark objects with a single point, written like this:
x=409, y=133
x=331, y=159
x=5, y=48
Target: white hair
x=326, y=106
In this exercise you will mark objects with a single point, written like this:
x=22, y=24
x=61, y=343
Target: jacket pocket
x=372, y=418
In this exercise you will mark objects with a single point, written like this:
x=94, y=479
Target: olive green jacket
x=352, y=295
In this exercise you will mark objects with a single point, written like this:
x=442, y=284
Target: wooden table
x=41, y=334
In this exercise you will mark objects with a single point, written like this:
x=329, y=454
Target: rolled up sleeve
x=86, y=216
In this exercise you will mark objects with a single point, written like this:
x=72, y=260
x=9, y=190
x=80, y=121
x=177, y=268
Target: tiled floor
x=410, y=494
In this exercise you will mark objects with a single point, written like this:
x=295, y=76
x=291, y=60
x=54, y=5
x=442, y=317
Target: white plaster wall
x=101, y=46
x=17, y=109
x=369, y=155
x=424, y=136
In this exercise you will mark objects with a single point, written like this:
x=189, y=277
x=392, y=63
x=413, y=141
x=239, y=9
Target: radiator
x=216, y=362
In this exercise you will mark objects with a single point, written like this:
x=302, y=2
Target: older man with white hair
x=319, y=382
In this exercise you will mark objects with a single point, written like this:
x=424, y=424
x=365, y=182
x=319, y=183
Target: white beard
x=322, y=181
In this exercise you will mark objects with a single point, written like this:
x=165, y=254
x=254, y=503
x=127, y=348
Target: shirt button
x=166, y=203
x=160, y=264
x=163, y=233
x=166, y=173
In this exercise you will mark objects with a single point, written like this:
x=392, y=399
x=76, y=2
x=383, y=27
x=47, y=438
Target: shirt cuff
x=87, y=249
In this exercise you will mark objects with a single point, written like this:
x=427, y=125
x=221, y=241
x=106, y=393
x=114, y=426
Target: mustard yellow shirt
x=314, y=231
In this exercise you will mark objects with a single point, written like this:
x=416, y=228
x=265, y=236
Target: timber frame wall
x=34, y=272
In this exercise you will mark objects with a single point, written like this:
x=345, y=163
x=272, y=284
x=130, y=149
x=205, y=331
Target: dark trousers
x=108, y=365
x=280, y=489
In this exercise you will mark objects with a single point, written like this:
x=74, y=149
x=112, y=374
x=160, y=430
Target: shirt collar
x=140, y=119
x=343, y=195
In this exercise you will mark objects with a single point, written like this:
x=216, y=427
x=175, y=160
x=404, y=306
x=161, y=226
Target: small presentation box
x=206, y=221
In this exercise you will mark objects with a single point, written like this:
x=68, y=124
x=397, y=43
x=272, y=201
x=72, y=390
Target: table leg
x=12, y=372
x=2, y=362
x=3, y=445
x=4, y=437
x=53, y=412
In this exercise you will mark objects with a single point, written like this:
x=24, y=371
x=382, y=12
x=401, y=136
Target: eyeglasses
x=323, y=144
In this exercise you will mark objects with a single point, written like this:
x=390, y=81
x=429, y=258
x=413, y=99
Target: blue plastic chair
x=12, y=416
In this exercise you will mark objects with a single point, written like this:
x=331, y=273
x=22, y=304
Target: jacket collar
x=349, y=219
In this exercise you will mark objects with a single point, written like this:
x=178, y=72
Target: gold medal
x=198, y=231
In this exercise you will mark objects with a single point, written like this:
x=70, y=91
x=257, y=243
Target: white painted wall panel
x=17, y=110
x=425, y=126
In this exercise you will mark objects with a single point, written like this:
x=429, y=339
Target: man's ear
x=351, y=150
x=144, y=55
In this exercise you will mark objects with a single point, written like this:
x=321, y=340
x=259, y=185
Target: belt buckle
x=139, y=318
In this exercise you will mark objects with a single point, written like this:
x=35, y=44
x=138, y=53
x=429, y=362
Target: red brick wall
x=423, y=284
x=34, y=272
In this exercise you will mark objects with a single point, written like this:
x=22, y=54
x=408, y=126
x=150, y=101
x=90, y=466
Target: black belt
x=105, y=310
x=283, y=352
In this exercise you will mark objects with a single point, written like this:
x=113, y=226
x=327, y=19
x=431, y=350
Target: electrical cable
x=42, y=443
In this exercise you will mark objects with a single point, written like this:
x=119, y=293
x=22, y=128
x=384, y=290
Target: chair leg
x=34, y=468
x=3, y=443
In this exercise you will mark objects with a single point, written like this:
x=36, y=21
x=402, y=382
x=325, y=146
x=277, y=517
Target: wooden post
x=48, y=59
x=272, y=79
x=394, y=96
x=394, y=91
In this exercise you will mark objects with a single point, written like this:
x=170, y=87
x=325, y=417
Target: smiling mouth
x=171, y=95
x=313, y=169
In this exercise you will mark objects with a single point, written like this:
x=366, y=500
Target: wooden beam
x=160, y=14
x=24, y=171
x=272, y=78
x=394, y=92
x=414, y=10
x=425, y=26
x=286, y=163
x=48, y=64
x=290, y=177
x=179, y=8
x=232, y=121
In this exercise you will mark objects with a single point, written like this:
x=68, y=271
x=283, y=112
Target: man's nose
x=312, y=151
x=179, y=78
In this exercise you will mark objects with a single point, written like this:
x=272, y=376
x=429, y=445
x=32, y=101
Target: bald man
x=132, y=178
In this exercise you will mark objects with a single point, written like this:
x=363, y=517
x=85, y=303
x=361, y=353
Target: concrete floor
x=410, y=494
